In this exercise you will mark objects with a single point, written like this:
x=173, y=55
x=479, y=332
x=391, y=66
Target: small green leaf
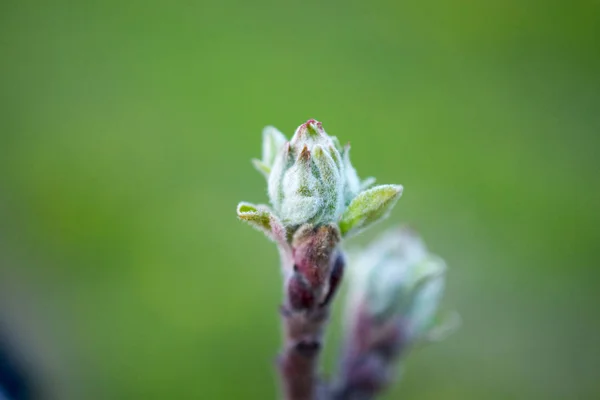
x=273, y=141
x=261, y=167
x=352, y=184
x=260, y=217
x=444, y=325
x=275, y=182
x=369, y=207
x=257, y=216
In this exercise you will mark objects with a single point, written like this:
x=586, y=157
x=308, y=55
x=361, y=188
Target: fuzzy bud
x=397, y=278
x=306, y=184
x=311, y=181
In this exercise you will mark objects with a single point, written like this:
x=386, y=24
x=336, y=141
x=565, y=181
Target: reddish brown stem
x=370, y=353
x=316, y=273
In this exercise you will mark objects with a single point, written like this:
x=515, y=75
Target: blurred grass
x=126, y=132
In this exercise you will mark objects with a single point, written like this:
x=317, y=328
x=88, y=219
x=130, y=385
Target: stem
x=300, y=359
x=371, y=350
x=316, y=271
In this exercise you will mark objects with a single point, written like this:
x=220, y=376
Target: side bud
x=396, y=278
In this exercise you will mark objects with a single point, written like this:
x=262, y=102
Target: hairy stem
x=300, y=359
x=312, y=281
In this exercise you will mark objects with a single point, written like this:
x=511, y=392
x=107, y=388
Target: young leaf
x=443, y=326
x=273, y=141
x=257, y=216
x=261, y=167
x=369, y=207
x=261, y=218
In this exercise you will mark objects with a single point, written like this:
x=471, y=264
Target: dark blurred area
x=126, y=133
x=13, y=382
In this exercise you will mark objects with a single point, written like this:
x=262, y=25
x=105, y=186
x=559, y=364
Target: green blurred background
x=126, y=134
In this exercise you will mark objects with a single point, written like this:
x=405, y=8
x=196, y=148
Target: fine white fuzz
x=397, y=277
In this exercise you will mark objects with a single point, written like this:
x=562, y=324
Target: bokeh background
x=126, y=130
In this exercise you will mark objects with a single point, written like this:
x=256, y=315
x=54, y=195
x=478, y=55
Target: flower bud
x=306, y=183
x=311, y=181
x=396, y=277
